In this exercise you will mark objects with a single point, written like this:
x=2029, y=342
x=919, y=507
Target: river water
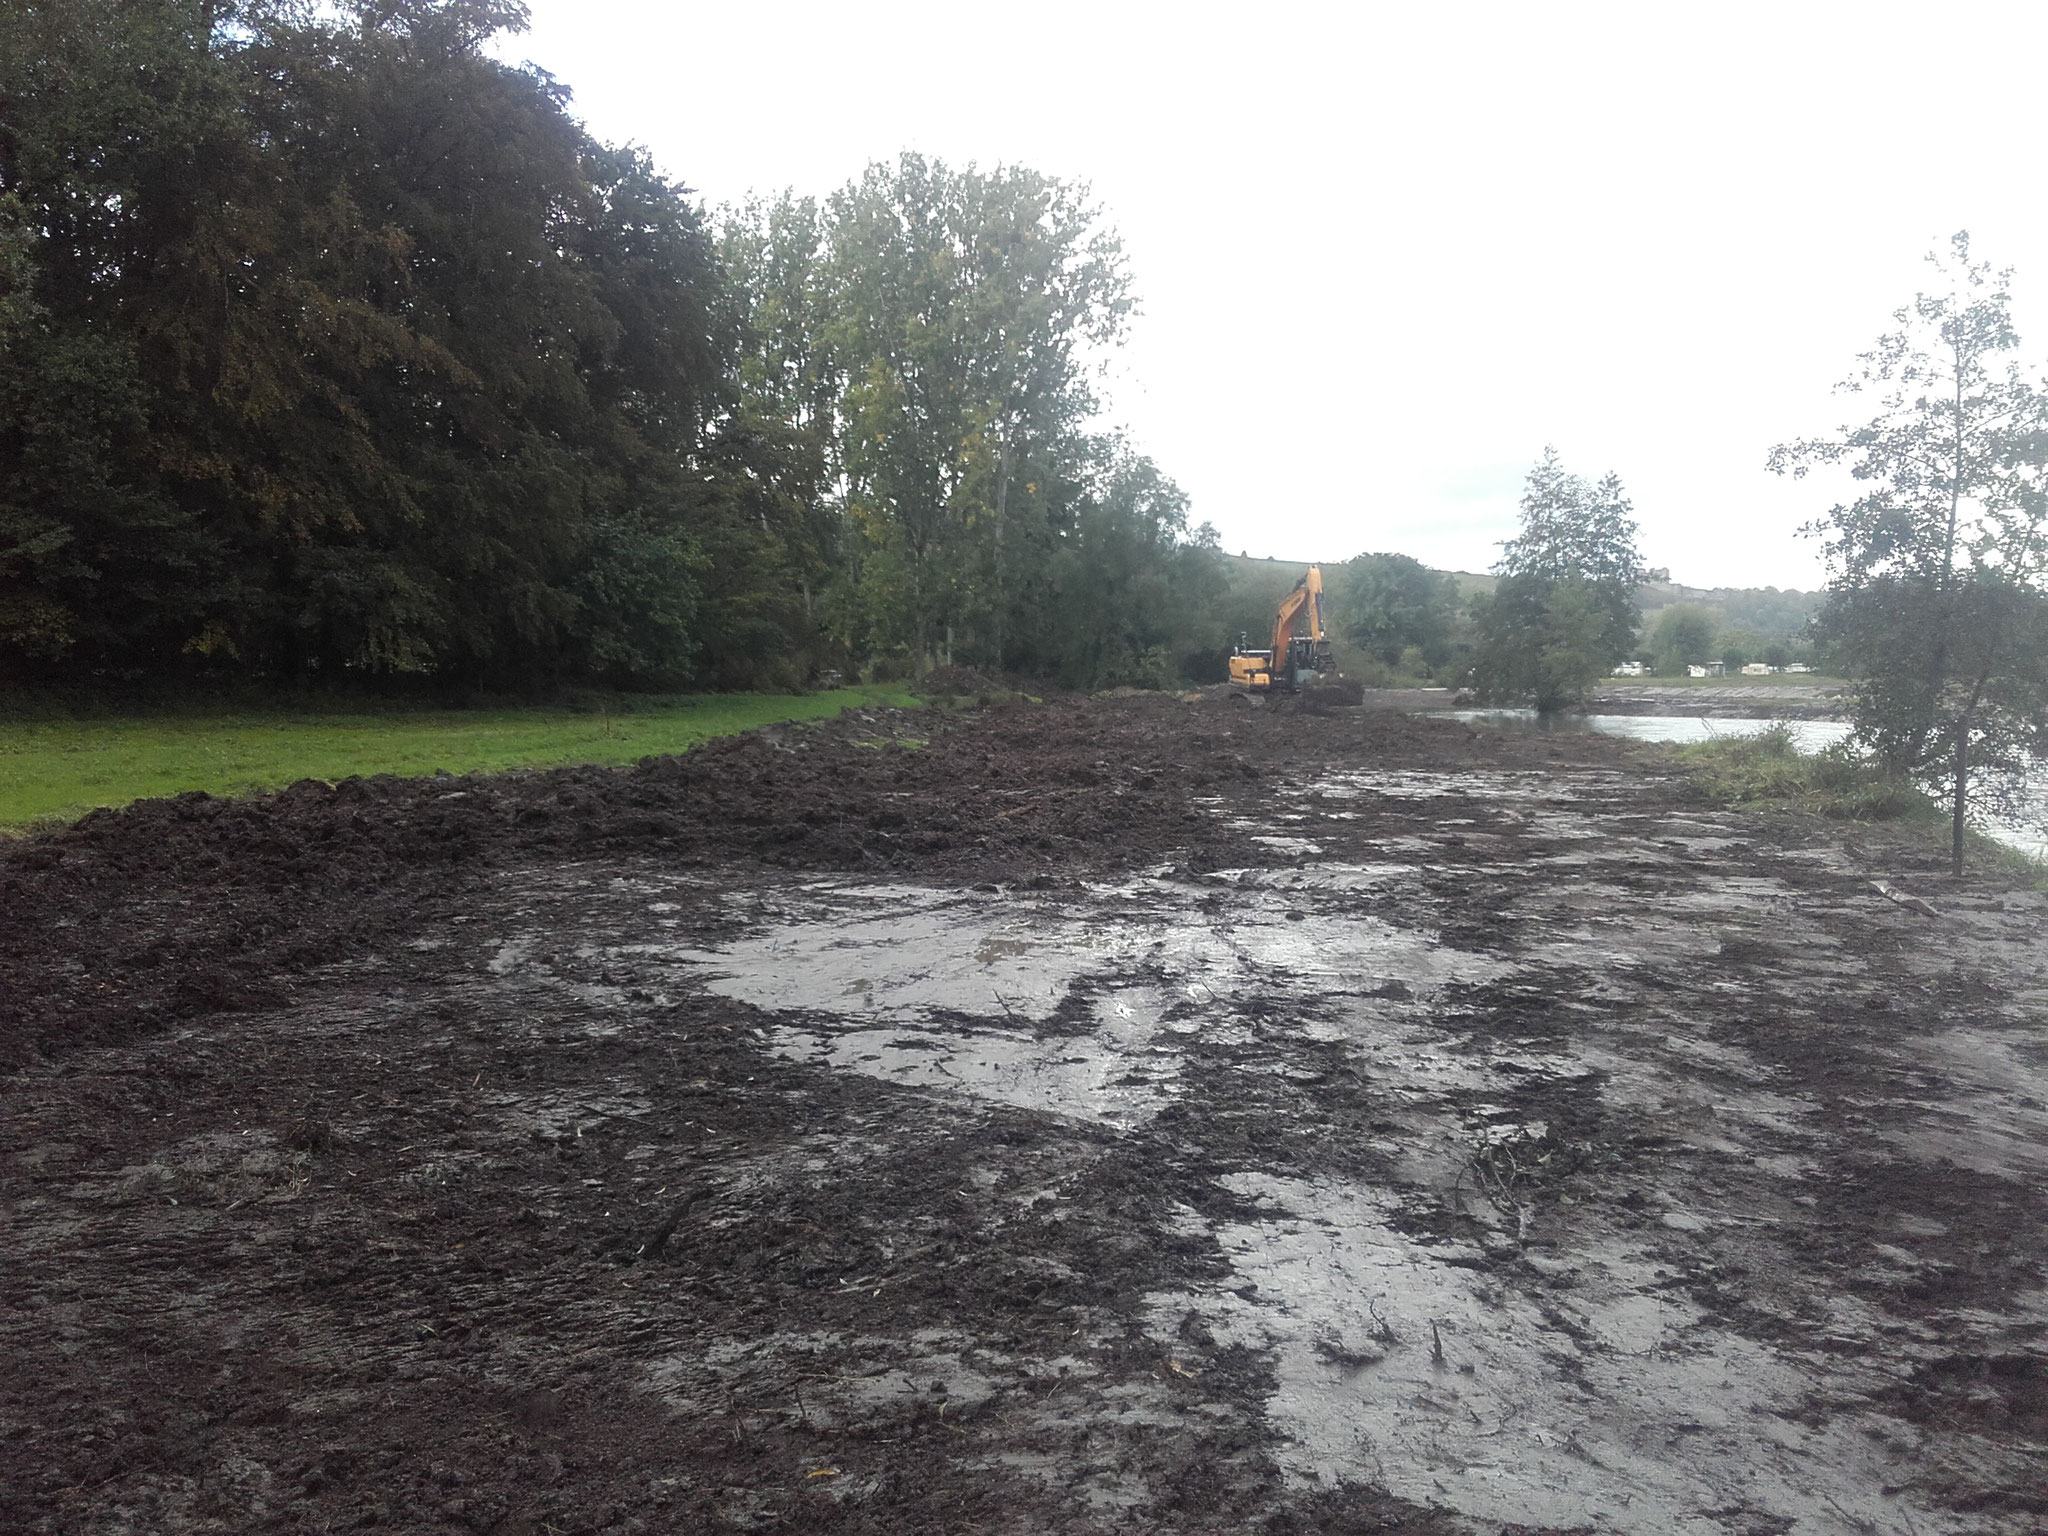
x=1681, y=730
x=1807, y=735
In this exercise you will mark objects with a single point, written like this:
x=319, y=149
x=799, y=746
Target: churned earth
x=1127, y=1115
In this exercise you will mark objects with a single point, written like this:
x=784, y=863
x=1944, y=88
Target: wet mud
x=1128, y=1115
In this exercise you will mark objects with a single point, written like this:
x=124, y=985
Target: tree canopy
x=1388, y=604
x=1683, y=635
x=331, y=347
x=1564, y=610
x=1936, y=602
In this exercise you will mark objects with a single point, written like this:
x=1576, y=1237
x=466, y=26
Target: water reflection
x=1680, y=730
x=1807, y=735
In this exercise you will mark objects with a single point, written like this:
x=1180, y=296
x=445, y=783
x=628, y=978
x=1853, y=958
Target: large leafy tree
x=330, y=347
x=1385, y=604
x=1936, y=597
x=1131, y=593
x=964, y=308
x=1563, y=611
x=772, y=567
x=349, y=352
x=1683, y=635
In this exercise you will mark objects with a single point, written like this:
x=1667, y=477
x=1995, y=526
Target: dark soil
x=134, y=919
x=367, y=1165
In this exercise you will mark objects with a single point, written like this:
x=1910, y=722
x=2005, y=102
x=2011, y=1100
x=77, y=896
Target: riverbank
x=1822, y=699
x=1110, y=1114
x=1782, y=698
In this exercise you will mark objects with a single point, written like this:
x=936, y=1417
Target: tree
x=1564, y=610
x=1540, y=641
x=343, y=351
x=964, y=305
x=1682, y=636
x=1132, y=594
x=332, y=348
x=1935, y=600
x=1385, y=604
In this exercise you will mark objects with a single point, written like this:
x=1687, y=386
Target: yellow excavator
x=1289, y=663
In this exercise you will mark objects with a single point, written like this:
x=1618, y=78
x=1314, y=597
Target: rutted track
x=1106, y=1114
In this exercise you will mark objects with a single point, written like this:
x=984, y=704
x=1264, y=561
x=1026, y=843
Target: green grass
x=56, y=770
x=1768, y=770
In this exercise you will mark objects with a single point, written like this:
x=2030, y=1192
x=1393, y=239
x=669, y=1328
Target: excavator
x=1257, y=675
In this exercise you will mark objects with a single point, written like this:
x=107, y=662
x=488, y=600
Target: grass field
x=56, y=770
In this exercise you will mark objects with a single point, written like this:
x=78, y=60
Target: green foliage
x=922, y=338
x=1573, y=528
x=332, y=349
x=1763, y=622
x=1937, y=602
x=1387, y=605
x=351, y=353
x=1768, y=612
x=960, y=303
x=1682, y=636
x=1563, y=611
x=1540, y=641
x=1132, y=591
x=1767, y=769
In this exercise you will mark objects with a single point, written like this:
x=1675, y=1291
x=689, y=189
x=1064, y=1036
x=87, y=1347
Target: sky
x=1385, y=253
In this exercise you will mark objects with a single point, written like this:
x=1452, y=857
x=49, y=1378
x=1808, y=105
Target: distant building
x=1709, y=669
x=1758, y=669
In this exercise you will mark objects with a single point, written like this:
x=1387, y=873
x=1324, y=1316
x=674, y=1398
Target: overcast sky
x=1387, y=252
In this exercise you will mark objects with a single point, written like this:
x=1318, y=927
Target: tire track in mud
x=1431, y=1133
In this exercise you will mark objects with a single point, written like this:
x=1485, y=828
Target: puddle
x=1570, y=1382
x=1416, y=784
x=954, y=991
x=1613, y=1403
x=1118, y=1074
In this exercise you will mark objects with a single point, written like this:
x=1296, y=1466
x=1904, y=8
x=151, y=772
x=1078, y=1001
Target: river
x=1679, y=730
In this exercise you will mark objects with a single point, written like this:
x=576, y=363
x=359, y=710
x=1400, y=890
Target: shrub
x=1769, y=769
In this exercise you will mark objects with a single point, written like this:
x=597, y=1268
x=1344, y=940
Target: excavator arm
x=1307, y=594
x=1261, y=671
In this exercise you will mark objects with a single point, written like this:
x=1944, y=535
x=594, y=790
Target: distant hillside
x=1250, y=568
x=1768, y=612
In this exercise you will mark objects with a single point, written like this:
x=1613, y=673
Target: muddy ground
x=1135, y=1116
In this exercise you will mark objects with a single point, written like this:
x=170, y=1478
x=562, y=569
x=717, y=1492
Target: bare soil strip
x=1135, y=1115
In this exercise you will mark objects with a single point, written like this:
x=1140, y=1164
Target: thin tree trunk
x=1944, y=632
x=921, y=657
x=1002, y=506
x=1962, y=771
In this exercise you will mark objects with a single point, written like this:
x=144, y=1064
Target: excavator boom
x=1307, y=596
x=1256, y=673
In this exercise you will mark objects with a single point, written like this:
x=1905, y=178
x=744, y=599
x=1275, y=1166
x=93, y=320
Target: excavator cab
x=1291, y=660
